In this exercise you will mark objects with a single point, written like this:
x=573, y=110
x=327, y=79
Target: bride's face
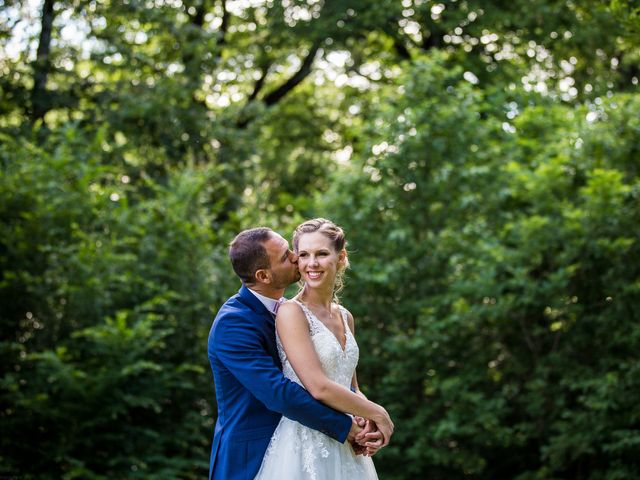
x=318, y=261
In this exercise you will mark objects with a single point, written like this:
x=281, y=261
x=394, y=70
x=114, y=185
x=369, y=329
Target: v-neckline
x=344, y=327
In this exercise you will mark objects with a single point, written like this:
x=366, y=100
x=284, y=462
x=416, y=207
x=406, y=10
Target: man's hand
x=355, y=430
x=368, y=440
x=357, y=425
x=370, y=437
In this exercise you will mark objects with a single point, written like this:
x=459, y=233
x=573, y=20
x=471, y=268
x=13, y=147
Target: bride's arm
x=370, y=429
x=354, y=380
x=293, y=330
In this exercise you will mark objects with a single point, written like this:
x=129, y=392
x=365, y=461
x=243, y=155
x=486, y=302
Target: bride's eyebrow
x=318, y=250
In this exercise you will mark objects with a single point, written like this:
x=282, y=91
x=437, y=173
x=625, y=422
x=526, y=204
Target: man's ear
x=263, y=275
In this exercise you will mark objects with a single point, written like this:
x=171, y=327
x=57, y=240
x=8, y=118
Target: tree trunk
x=40, y=102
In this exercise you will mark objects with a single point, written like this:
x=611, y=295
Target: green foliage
x=482, y=157
x=106, y=296
x=495, y=282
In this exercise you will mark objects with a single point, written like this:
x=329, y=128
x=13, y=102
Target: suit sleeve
x=239, y=348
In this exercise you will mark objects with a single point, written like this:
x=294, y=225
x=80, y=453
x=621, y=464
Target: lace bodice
x=296, y=451
x=338, y=364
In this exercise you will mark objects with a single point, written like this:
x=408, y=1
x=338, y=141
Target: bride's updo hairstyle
x=333, y=233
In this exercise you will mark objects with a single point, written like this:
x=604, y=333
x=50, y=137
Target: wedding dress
x=300, y=453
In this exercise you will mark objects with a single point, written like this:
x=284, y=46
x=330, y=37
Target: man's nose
x=293, y=258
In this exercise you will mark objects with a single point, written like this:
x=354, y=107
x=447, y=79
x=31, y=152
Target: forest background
x=482, y=157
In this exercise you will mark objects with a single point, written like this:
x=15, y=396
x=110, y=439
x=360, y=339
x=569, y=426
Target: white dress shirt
x=271, y=304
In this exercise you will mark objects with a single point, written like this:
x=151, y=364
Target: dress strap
x=345, y=318
x=311, y=318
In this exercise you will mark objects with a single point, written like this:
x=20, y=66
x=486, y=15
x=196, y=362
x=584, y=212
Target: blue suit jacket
x=251, y=391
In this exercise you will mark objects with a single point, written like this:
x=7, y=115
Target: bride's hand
x=370, y=438
x=385, y=425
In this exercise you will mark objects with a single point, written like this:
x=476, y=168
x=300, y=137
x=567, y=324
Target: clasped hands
x=365, y=437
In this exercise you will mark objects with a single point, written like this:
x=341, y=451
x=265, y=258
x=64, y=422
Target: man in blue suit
x=251, y=391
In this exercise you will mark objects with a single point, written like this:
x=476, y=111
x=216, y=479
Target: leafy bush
x=495, y=281
x=107, y=287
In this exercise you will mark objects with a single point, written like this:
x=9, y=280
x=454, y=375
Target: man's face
x=283, y=262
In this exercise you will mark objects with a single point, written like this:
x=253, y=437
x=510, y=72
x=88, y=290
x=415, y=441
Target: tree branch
x=401, y=49
x=222, y=34
x=198, y=18
x=224, y=26
x=42, y=65
x=433, y=40
x=259, y=84
x=304, y=71
x=244, y=118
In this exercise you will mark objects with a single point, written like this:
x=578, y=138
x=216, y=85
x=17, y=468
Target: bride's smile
x=318, y=260
x=318, y=350
x=313, y=275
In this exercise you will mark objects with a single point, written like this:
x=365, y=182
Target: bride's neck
x=316, y=297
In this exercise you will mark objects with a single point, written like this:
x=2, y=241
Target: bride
x=318, y=350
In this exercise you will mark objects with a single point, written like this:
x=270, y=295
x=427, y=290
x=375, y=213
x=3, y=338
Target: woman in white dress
x=318, y=351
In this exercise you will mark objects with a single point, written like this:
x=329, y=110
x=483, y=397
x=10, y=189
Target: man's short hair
x=247, y=253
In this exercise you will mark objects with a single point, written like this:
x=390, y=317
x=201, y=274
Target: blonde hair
x=338, y=241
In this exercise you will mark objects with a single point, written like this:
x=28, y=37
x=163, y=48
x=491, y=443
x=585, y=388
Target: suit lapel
x=251, y=301
x=267, y=322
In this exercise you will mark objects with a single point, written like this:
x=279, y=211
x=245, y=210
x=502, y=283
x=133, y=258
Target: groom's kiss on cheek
x=283, y=262
x=259, y=395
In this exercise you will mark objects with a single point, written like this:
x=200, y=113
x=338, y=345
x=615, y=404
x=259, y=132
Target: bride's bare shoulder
x=290, y=310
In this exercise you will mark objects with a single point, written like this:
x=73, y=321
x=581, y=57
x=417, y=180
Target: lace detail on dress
x=338, y=364
x=296, y=451
x=307, y=444
x=315, y=325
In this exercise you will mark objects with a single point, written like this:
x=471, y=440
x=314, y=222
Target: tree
x=106, y=298
x=487, y=257
x=479, y=154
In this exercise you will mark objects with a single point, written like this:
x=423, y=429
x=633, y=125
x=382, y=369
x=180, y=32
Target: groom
x=251, y=391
